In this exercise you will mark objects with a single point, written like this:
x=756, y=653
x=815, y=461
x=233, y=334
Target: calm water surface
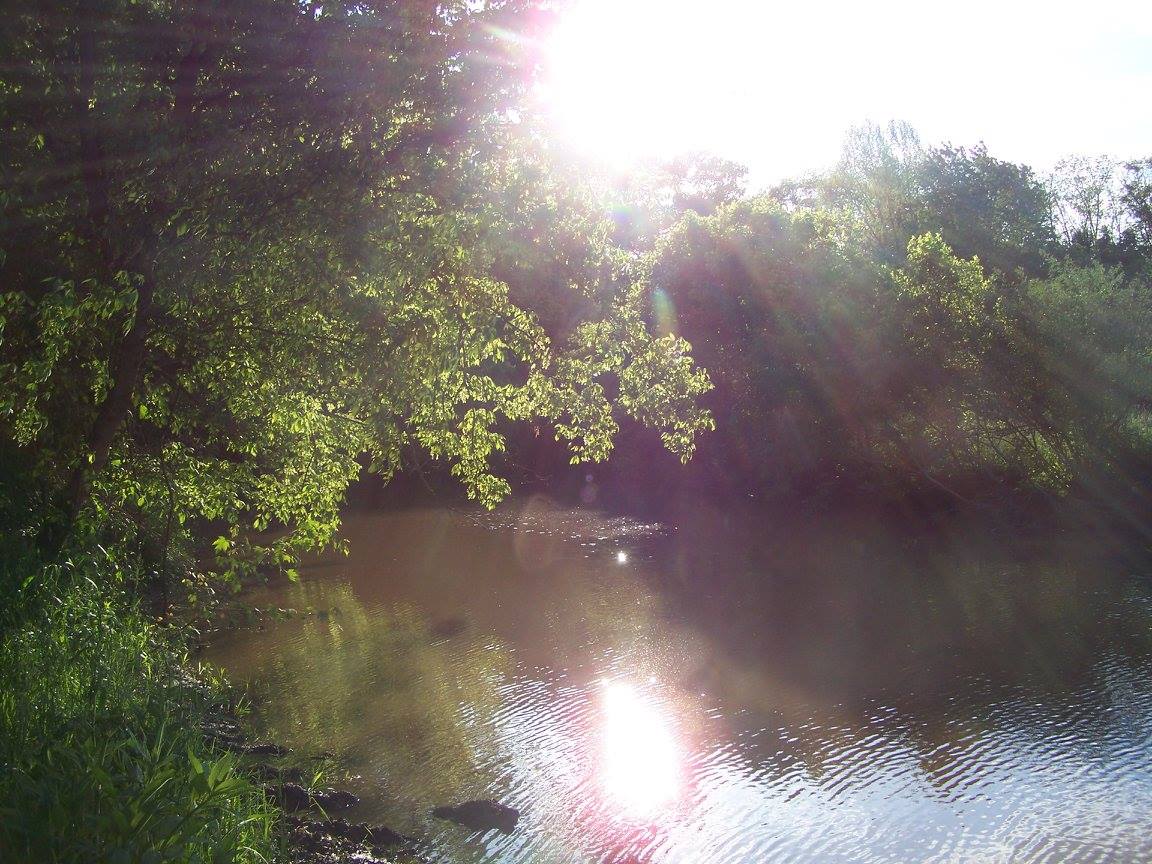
x=729, y=692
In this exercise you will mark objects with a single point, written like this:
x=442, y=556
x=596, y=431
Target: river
x=732, y=691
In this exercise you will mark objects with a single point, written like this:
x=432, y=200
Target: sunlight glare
x=628, y=82
x=621, y=76
x=641, y=767
x=776, y=86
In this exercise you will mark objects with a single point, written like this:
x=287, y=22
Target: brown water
x=732, y=692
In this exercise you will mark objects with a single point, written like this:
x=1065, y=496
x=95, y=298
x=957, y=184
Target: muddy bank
x=311, y=832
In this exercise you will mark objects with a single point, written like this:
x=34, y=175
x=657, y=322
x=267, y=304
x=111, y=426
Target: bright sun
x=632, y=80
x=624, y=78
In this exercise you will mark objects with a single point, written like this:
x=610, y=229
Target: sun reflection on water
x=641, y=768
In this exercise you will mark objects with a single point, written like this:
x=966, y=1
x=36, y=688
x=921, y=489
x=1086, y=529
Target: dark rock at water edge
x=224, y=733
x=290, y=796
x=293, y=797
x=336, y=840
x=481, y=815
x=309, y=841
x=376, y=835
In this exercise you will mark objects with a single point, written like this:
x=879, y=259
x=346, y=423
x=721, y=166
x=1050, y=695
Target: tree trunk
x=125, y=366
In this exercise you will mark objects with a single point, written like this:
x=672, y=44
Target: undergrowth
x=101, y=754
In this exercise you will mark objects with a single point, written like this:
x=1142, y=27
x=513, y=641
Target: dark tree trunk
x=125, y=366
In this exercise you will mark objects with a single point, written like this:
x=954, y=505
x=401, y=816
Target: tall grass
x=101, y=756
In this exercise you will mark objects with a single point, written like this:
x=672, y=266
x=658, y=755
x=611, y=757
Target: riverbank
x=116, y=745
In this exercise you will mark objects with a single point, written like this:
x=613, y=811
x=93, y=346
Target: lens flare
x=664, y=311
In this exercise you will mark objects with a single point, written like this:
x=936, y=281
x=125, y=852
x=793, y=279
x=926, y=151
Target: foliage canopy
x=248, y=245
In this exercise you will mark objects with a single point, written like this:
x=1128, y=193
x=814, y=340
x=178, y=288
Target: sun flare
x=628, y=82
x=641, y=769
x=620, y=76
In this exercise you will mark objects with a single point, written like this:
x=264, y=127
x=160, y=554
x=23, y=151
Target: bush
x=101, y=757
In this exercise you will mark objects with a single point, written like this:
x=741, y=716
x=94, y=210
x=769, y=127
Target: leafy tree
x=651, y=198
x=247, y=244
x=701, y=182
x=1086, y=197
x=987, y=207
x=1135, y=243
x=1101, y=208
x=1091, y=336
x=832, y=367
x=961, y=408
x=876, y=181
x=781, y=308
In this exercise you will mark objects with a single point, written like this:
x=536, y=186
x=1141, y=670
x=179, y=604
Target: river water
x=734, y=691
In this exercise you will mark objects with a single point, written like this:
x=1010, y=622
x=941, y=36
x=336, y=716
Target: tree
x=702, y=182
x=246, y=243
x=781, y=308
x=961, y=408
x=987, y=207
x=1136, y=239
x=1091, y=336
x=1086, y=200
x=895, y=188
x=877, y=182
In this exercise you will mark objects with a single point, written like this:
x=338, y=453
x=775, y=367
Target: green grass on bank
x=101, y=757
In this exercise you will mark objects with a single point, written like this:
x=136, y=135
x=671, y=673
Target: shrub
x=101, y=757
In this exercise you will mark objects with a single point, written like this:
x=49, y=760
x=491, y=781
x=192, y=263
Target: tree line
x=916, y=318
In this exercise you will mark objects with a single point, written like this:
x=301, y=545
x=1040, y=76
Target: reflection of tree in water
x=412, y=716
x=840, y=621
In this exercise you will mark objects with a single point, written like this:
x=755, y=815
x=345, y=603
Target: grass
x=101, y=755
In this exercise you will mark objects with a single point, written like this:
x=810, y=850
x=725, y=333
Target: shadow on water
x=739, y=688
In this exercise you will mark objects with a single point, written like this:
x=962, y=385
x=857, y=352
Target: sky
x=776, y=86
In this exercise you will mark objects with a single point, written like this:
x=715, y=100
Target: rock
x=376, y=835
x=294, y=797
x=448, y=628
x=224, y=732
x=266, y=749
x=290, y=796
x=481, y=815
x=382, y=835
x=304, y=837
x=334, y=799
